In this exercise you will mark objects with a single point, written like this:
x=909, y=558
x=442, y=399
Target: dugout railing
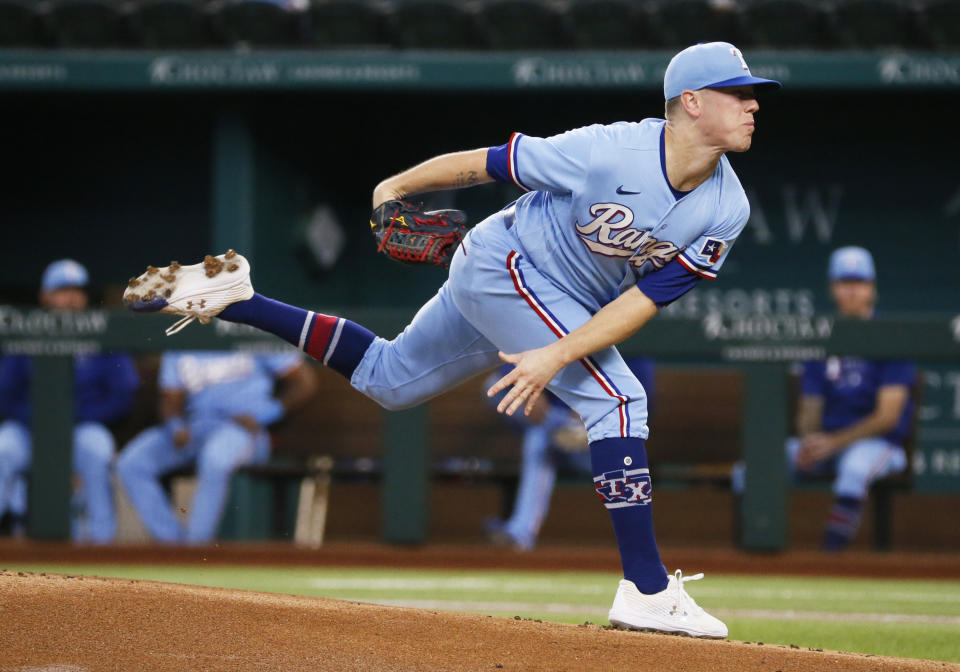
x=761, y=348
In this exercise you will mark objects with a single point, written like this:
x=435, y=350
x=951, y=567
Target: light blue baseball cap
x=709, y=66
x=851, y=263
x=64, y=273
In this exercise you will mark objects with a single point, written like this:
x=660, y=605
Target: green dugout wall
x=123, y=158
x=763, y=356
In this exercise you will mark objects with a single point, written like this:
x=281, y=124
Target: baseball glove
x=409, y=235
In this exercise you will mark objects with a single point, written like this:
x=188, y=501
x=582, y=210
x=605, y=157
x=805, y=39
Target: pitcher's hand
x=533, y=369
x=816, y=448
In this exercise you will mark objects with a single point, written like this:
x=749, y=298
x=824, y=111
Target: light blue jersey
x=600, y=217
x=227, y=384
x=600, y=213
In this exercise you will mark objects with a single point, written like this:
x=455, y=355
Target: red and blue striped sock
x=842, y=523
x=335, y=341
x=622, y=481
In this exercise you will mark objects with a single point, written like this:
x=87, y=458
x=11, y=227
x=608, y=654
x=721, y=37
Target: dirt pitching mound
x=57, y=623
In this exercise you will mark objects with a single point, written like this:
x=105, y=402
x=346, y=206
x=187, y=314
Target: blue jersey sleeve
x=898, y=372
x=15, y=388
x=705, y=255
x=812, y=379
x=665, y=286
x=557, y=164
x=113, y=398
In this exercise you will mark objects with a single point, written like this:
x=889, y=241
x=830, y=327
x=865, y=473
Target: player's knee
x=13, y=436
x=227, y=448
x=215, y=464
x=93, y=444
x=395, y=398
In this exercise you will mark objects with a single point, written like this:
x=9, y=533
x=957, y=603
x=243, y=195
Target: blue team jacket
x=103, y=387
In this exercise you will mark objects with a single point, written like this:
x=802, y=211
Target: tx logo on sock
x=624, y=487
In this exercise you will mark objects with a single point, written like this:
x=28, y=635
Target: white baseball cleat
x=198, y=292
x=670, y=610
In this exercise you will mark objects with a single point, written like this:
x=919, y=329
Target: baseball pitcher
x=616, y=222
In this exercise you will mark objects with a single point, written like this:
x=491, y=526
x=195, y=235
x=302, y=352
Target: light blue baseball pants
x=93, y=449
x=217, y=446
x=496, y=300
x=856, y=467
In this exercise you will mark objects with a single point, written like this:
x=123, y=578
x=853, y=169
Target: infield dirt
x=65, y=623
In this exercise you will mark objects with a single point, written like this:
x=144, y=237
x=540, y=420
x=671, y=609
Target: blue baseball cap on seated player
x=851, y=263
x=64, y=273
x=709, y=66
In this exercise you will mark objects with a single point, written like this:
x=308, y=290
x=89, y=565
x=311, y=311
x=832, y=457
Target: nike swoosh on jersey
x=621, y=190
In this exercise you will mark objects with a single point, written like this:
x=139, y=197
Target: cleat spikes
x=197, y=292
x=212, y=265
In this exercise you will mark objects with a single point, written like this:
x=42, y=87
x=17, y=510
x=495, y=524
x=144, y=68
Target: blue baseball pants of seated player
x=93, y=449
x=217, y=446
x=856, y=467
x=496, y=300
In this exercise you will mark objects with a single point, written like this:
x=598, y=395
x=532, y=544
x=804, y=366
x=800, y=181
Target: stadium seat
x=524, y=24
x=685, y=22
x=86, y=23
x=872, y=24
x=610, y=24
x=161, y=24
x=437, y=24
x=941, y=22
x=258, y=23
x=19, y=24
x=346, y=23
x=787, y=24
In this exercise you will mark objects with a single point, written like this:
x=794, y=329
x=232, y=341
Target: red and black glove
x=409, y=235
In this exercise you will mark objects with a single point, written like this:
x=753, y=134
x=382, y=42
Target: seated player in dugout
x=104, y=387
x=618, y=221
x=854, y=415
x=216, y=409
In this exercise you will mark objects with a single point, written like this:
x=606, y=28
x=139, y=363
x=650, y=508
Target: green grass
x=915, y=618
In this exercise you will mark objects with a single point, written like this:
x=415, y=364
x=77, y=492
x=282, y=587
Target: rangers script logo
x=615, y=238
x=621, y=488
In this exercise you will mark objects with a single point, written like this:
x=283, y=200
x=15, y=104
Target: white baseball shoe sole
x=198, y=292
x=671, y=610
